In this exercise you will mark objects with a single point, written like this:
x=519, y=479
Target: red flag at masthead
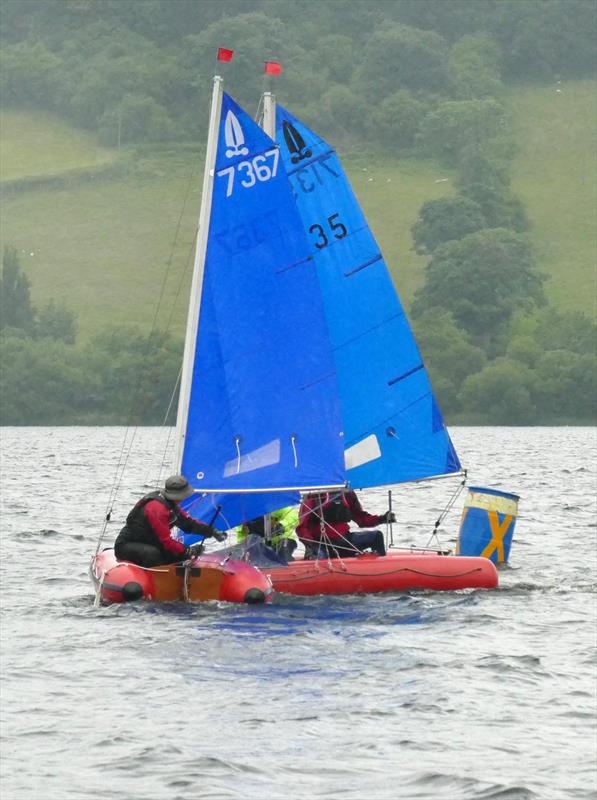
x=224, y=54
x=273, y=68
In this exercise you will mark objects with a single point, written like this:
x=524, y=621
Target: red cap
x=273, y=68
x=224, y=54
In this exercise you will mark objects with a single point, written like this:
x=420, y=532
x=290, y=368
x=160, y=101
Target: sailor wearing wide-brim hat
x=146, y=539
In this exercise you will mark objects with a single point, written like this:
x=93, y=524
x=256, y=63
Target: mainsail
x=259, y=401
x=393, y=428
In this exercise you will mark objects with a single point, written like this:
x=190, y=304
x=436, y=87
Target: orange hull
x=206, y=578
x=395, y=572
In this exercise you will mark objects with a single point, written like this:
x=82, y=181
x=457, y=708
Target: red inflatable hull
x=395, y=572
x=210, y=577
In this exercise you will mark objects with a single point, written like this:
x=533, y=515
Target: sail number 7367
x=260, y=168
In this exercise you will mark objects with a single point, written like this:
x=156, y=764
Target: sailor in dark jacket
x=146, y=538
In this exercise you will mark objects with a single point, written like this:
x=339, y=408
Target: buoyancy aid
x=283, y=525
x=138, y=528
x=286, y=520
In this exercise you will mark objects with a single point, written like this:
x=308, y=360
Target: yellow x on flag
x=497, y=535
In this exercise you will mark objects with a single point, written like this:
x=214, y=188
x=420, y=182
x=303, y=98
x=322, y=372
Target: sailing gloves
x=193, y=551
x=196, y=549
x=388, y=517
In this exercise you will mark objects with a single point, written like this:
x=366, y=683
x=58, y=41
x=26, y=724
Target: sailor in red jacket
x=146, y=538
x=324, y=526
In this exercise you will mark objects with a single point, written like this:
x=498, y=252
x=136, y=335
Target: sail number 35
x=338, y=228
x=260, y=168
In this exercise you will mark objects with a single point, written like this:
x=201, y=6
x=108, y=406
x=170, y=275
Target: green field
x=106, y=245
x=555, y=174
x=35, y=145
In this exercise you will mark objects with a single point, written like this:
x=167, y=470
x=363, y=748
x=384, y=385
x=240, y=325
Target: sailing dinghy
x=258, y=387
x=257, y=391
x=301, y=373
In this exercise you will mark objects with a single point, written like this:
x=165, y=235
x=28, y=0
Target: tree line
x=119, y=377
x=529, y=366
x=437, y=70
x=136, y=71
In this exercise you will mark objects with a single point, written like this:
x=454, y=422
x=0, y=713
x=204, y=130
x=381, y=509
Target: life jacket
x=286, y=521
x=283, y=524
x=138, y=528
x=334, y=508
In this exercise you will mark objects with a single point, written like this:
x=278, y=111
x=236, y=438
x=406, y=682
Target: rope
x=259, y=112
x=185, y=581
x=324, y=538
x=442, y=516
x=124, y=457
x=98, y=591
x=388, y=572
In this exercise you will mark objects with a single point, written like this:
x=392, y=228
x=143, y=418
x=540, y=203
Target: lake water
x=453, y=695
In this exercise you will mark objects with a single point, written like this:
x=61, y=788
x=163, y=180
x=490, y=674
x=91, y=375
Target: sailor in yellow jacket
x=282, y=531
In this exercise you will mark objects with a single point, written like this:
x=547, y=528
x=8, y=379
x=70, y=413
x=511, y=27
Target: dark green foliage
x=442, y=220
x=396, y=121
x=481, y=280
x=43, y=382
x=56, y=321
x=397, y=55
x=459, y=125
x=122, y=377
x=138, y=374
x=485, y=180
x=568, y=330
x=539, y=39
x=28, y=74
x=566, y=386
x=500, y=394
x=142, y=67
x=475, y=66
x=16, y=310
x=548, y=39
x=448, y=355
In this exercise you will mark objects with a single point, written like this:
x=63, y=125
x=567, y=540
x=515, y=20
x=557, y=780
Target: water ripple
x=467, y=695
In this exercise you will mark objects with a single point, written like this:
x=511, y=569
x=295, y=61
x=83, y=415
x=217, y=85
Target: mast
x=269, y=114
x=198, y=269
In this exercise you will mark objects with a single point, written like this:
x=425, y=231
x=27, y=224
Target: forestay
x=393, y=428
x=263, y=407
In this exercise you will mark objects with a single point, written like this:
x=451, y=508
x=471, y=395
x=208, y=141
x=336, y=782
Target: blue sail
x=264, y=410
x=393, y=428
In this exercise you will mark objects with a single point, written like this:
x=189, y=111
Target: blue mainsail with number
x=393, y=428
x=264, y=407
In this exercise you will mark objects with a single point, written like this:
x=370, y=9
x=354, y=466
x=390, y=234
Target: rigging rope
x=123, y=458
x=450, y=503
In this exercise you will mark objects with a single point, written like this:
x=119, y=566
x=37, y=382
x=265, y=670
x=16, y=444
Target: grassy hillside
x=555, y=174
x=104, y=245
x=41, y=145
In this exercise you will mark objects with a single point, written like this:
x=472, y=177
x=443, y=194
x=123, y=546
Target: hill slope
x=555, y=174
x=106, y=243
x=39, y=145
